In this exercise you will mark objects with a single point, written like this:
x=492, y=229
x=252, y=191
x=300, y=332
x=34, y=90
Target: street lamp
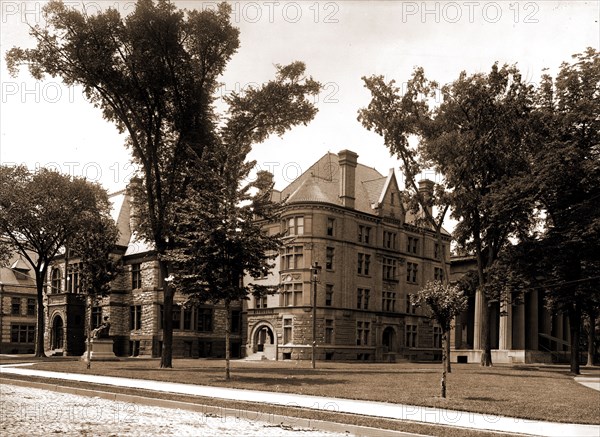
x=316, y=268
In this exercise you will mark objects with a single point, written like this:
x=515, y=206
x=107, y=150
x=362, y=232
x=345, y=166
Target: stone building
x=134, y=305
x=349, y=219
x=18, y=306
x=522, y=331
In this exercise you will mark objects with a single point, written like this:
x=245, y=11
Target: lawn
x=528, y=391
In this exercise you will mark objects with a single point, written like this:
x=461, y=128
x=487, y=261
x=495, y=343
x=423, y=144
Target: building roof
x=17, y=273
x=321, y=183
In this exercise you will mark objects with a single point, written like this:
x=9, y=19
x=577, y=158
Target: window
x=410, y=308
x=438, y=274
x=437, y=337
x=412, y=245
x=176, y=317
x=292, y=258
x=135, y=317
x=292, y=294
x=55, y=282
x=411, y=335
x=287, y=331
x=329, y=258
x=389, y=239
x=362, y=298
x=364, y=234
x=15, y=306
x=330, y=226
x=31, y=307
x=22, y=333
x=260, y=302
x=388, y=301
x=294, y=226
x=204, y=317
x=96, y=317
x=187, y=319
x=364, y=263
x=389, y=269
x=73, y=284
x=411, y=272
x=328, y=331
x=136, y=276
x=363, y=329
x=236, y=321
x=437, y=254
x=328, y=295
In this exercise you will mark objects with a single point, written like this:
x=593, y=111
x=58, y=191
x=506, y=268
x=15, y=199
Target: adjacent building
x=134, y=305
x=18, y=307
x=350, y=220
x=522, y=330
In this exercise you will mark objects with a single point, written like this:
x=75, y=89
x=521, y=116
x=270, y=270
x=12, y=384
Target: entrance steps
x=256, y=356
x=55, y=353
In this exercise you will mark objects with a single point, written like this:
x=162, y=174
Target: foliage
x=43, y=212
x=154, y=74
x=444, y=301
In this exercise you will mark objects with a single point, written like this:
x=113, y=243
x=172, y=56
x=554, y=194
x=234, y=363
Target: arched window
x=55, y=282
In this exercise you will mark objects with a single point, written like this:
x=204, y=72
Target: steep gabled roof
x=321, y=183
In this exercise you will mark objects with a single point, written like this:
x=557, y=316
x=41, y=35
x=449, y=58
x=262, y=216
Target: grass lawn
x=528, y=391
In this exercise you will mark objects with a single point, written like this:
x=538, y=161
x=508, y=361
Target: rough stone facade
x=349, y=219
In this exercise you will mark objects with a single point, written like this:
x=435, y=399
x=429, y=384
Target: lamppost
x=316, y=268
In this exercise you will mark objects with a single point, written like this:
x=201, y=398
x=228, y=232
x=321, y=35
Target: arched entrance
x=57, y=338
x=263, y=336
x=264, y=341
x=388, y=339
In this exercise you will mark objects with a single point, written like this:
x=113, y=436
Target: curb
x=238, y=414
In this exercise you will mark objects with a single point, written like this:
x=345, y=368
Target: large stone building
x=349, y=219
x=18, y=306
x=134, y=305
x=522, y=331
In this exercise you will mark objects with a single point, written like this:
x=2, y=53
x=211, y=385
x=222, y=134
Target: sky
x=45, y=124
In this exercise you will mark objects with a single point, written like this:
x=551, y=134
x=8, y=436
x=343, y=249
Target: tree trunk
x=166, y=358
x=486, y=354
x=575, y=331
x=447, y=350
x=445, y=360
x=39, y=338
x=591, y=340
x=227, y=341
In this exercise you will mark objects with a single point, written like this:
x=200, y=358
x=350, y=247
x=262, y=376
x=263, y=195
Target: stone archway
x=389, y=339
x=264, y=341
x=57, y=334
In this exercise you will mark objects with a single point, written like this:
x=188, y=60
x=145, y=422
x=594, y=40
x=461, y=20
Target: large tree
x=154, y=74
x=43, y=212
x=564, y=253
x=475, y=139
x=220, y=221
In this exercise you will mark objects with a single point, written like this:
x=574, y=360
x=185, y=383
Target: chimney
x=426, y=190
x=347, y=161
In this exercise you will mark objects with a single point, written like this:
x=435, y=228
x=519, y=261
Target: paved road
x=28, y=411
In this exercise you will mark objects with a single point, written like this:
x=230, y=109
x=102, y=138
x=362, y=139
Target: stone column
x=505, y=326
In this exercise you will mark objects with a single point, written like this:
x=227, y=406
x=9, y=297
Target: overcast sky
x=47, y=124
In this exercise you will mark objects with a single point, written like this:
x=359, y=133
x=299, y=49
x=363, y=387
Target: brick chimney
x=347, y=161
x=426, y=190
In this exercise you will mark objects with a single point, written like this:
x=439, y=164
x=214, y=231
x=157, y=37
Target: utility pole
x=316, y=268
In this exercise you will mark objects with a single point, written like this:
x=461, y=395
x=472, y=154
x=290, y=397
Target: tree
x=565, y=187
x=445, y=302
x=153, y=74
x=399, y=118
x=41, y=213
x=220, y=220
x=94, y=246
x=475, y=139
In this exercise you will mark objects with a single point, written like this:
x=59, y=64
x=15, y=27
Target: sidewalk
x=429, y=415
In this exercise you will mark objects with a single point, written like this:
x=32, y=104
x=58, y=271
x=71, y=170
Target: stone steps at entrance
x=256, y=356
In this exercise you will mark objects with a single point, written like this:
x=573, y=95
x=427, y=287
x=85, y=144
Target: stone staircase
x=256, y=356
